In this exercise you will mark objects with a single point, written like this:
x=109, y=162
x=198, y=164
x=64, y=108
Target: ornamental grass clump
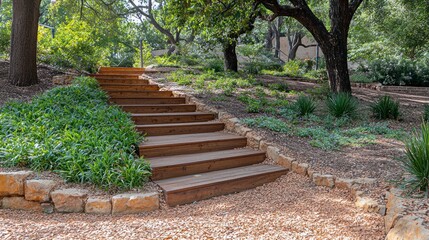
x=342, y=105
x=304, y=105
x=416, y=164
x=74, y=132
x=386, y=108
x=426, y=114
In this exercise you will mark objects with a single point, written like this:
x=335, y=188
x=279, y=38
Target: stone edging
x=397, y=224
x=18, y=191
x=406, y=225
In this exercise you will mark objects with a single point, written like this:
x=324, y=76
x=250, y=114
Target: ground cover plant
x=342, y=105
x=74, y=132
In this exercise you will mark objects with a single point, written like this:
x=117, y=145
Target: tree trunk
x=337, y=67
x=269, y=38
x=230, y=57
x=23, y=68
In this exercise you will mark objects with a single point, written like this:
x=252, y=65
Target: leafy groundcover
x=74, y=132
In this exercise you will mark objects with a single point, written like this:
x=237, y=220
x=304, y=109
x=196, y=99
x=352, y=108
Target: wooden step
x=158, y=118
x=190, y=143
x=129, y=87
x=116, y=76
x=145, y=94
x=180, y=128
x=158, y=108
x=181, y=165
x=187, y=189
x=120, y=70
x=116, y=81
x=161, y=100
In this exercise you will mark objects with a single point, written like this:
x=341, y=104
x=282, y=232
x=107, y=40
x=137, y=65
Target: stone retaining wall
x=19, y=191
x=424, y=91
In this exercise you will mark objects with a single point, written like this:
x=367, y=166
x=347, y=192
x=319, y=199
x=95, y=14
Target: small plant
x=304, y=105
x=417, y=161
x=270, y=123
x=342, y=105
x=386, y=108
x=320, y=92
x=282, y=87
x=426, y=114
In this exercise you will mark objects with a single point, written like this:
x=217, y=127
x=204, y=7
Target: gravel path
x=290, y=208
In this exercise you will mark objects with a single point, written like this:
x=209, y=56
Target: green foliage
x=399, y=72
x=5, y=27
x=180, y=77
x=426, y=114
x=386, y=108
x=73, y=131
x=333, y=140
x=342, y=105
x=270, y=123
x=417, y=161
x=282, y=87
x=320, y=74
x=258, y=59
x=292, y=68
x=215, y=64
x=360, y=78
x=304, y=105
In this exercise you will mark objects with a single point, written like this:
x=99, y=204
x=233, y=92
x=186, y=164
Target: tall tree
x=333, y=42
x=23, y=68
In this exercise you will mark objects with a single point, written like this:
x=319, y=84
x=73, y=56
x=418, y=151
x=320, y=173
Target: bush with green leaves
x=417, y=161
x=386, y=108
x=74, y=132
x=342, y=105
x=399, y=72
x=304, y=105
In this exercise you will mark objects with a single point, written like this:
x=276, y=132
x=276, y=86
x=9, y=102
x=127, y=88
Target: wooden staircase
x=192, y=158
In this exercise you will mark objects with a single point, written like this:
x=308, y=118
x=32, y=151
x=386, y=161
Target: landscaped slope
x=73, y=131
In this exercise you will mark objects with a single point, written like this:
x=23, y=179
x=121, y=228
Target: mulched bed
x=8, y=91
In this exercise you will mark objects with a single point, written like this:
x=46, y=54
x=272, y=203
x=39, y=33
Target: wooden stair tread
x=154, y=100
x=161, y=129
x=178, y=124
x=184, y=159
x=170, y=114
x=188, y=138
x=212, y=178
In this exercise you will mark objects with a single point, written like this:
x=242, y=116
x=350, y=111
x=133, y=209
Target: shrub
x=360, y=78
x=215, y=64
x=342, y=105
x=73, y=131
x=386, y=108
x=304, y=105
x=426, y=114
x=399, y=72
x=292, y=68
x=320, y=92
x=417, y=161
x=282, y=87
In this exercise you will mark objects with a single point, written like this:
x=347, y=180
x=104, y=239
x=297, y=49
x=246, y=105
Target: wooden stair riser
x=146, y=94
x=168, y=129
x=160, y=108
x=130, y=88
x=159, y=173
x=159, y=119
x=120, y=69
x=105, y=82
x=116, y=76
x=196, y=194
x=171, y=100
x=191, y=147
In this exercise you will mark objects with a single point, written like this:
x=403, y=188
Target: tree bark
x=230, y=56
x=23, y=67
x=269, y=37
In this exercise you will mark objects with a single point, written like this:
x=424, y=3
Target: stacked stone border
x=399, y=228
x=19, y=191
x=395, y=89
